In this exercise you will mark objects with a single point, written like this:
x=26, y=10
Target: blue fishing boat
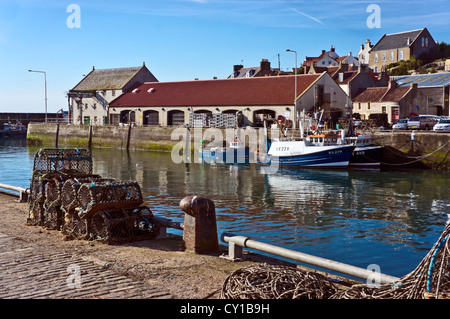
x=235, y=153
x=302, y=153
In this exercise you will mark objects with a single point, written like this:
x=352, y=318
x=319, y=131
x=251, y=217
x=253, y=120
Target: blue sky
x=182, y=39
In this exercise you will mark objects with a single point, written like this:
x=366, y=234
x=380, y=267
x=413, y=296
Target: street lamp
x=295, y=97
x=45, y=79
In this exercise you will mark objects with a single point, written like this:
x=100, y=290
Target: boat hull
x=326, y=157
x=367, y=157
x=227, y=156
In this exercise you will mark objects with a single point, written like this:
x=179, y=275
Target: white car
x=443, y=125
x=401, y=125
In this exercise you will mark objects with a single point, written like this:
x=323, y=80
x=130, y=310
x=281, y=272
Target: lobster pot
x=70, y=189
x=36, y=200
x=38, y=195
x=75, y=227
x=93, y=197
x=122, y=225
x=63, y=160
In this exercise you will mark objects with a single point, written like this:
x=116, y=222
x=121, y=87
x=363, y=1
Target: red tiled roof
x=311, y=60
x=381, y=94
x=270, y=90
x=396, y=94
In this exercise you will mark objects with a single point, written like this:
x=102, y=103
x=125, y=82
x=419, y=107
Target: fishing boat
x=13, y=130
x=366, y=154
x=235, y=153
x=302, y=153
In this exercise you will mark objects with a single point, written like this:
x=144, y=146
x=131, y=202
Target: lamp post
x=45, y=79
x=295, y=97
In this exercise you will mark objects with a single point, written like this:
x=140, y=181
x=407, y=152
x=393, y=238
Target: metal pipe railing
x=23, y=192
x=246, y=242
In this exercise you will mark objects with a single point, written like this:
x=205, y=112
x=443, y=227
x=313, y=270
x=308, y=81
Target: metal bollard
x=200, y=227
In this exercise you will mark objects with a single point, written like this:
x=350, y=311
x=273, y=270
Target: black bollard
x=200, y=227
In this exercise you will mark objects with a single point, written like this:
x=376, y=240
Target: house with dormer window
x=401, y=46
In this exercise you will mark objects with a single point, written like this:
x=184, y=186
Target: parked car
x=401, y=125
x=422, y=122
x=443, y=125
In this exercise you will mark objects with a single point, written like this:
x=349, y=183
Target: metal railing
x=237, y=243
x=22, y=191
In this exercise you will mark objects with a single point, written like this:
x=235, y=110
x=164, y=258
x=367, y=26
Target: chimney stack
x=265, y=65
x=237, y=67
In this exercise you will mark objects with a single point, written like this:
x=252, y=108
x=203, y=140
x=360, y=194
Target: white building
x=363, y=54
x=328, y=58
x=89, y=99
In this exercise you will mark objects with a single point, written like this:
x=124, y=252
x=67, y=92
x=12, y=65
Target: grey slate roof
x=251, y=71
x=424, y=80
x=107, y=79
x=396, y=40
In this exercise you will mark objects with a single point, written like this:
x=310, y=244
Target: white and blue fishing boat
x=235, y=153
x=302, y=153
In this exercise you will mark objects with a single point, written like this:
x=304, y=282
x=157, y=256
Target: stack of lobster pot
x=65, y=195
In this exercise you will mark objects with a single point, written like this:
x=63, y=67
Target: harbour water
x=390, y=219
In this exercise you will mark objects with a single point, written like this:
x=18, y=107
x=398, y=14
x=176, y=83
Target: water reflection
x=358, y=217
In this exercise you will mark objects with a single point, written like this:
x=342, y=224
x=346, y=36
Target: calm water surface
x=358, y=217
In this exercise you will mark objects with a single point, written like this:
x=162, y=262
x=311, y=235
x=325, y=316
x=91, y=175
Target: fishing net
x=276, y=282
x=429, y=280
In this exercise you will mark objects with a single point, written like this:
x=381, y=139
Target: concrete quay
x=432, y=147
x=29, y=271
x=38, y=263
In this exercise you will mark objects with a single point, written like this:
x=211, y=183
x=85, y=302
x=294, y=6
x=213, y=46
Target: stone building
x=435, y=87
x=89, y=99
x=401, y=46
x=172, y=103
x=397, y=102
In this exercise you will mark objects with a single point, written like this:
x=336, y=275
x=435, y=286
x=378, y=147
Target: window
x=376, y=57
x=426, y=42
x=113, y=92
x=323, y=62
x=384, y=56
x=401, y=54
x=392, y=56
x=383, y=109
x=359, y=106
x=368, y=106
x=423, y=42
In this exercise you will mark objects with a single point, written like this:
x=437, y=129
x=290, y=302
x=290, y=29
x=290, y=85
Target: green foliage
x=443, y=50
x=402, y=67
